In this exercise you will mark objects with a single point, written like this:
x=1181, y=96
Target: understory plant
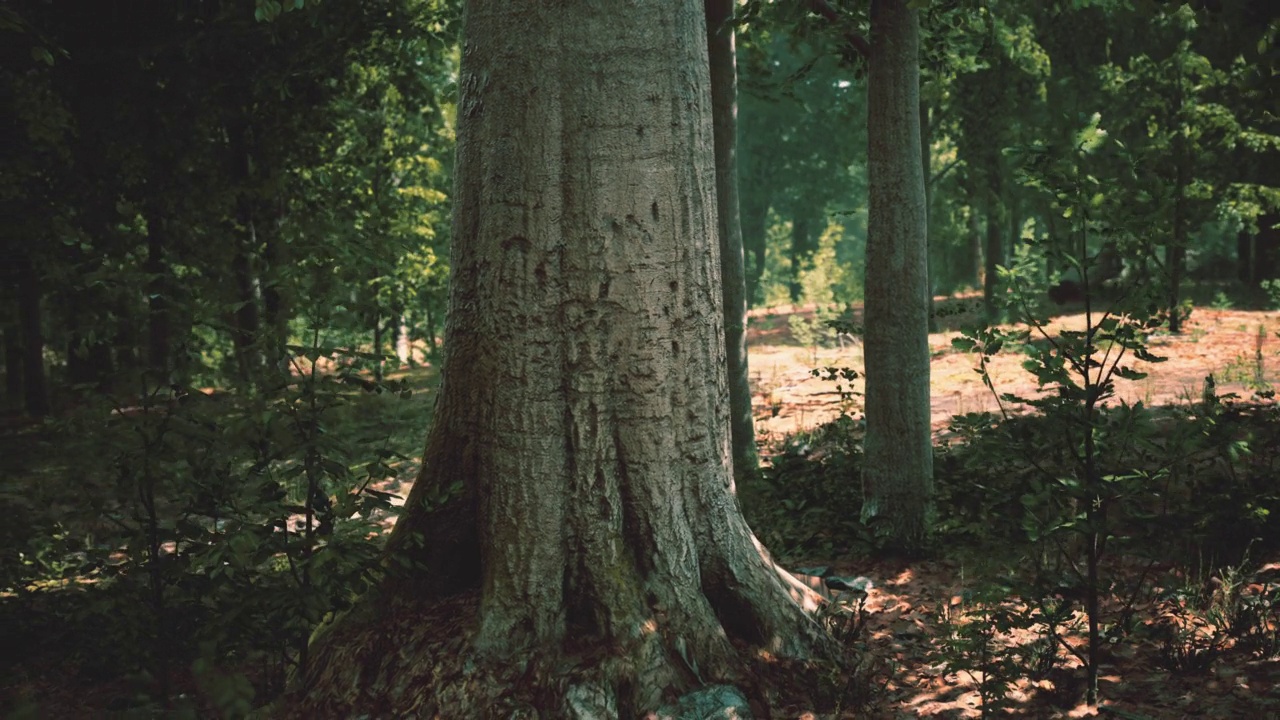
x=1083, y=488
x=218, y=530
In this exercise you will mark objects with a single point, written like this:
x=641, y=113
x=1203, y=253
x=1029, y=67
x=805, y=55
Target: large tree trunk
x=724, y=113
x=578, y=468
x=897, y=472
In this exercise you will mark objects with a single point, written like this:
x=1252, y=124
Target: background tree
x=724, y=114
x=897, y=474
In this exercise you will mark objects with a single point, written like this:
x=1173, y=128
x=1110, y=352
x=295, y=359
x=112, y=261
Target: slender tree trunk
x=275, y=303
x=35, y=387
x=897, y=473
x=975, y=249
x=159, y=302
x=992, y=256
x=1176, y=252
x=801, y=251
x=12, y=365
x=245, y=319
x=755, y=225
x=577, y=470
x=432, y=332
x=377, y=344
x=926, y=164
x=724, y=112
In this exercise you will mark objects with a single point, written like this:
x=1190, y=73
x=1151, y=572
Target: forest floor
x=914, y=606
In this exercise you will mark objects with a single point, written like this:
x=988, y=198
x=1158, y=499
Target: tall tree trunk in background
x=755, y=226
x=35, y=389
x=992, y=255
x=801, y=250
x=159, y=302
x=897, y=475
x=577, y=468
x=275, y=302
x=926, y=165
x=1176, y=251
x=12, y=365
x=1014, y=222
x=724, y=114
x=975, y=247
x=245, y=319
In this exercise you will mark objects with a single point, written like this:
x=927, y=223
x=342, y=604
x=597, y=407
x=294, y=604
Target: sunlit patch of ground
x=1224, y=343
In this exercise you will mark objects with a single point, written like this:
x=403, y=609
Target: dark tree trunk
x=35, y=387
x=1176, y=252
x=245, y=326
x=993, y=256
x=159, y=303
x=246, y=320
x=926, y=163
x=724, y=112
x=275, y=304
x=12, y=365
x=802, y=247
x=755, y=222
x=978, y=267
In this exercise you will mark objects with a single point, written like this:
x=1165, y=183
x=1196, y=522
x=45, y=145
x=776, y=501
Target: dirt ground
x=1224, y=343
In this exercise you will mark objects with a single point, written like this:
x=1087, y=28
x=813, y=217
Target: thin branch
x=939, y=175
x=856, y=41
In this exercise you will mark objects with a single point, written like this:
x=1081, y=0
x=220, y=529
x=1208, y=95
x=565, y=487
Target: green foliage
x=804, y=504
x=218, y=532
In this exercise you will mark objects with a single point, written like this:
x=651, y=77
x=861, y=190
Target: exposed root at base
x=406, y=659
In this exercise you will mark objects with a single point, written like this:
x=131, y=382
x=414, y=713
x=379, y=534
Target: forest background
x=226, y=255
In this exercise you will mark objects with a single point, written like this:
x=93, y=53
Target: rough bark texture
x=578, y=468
x=724, y=113
x=898, y=467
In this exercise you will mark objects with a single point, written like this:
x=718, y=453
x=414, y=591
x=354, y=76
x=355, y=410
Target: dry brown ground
x=1219, y=342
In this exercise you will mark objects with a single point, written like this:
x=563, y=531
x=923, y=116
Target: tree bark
x=724, y=114
x=898, y=462
x=578, y=470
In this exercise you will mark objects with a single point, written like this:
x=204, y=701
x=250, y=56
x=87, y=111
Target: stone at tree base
x=588, y=701
x=714, y=702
